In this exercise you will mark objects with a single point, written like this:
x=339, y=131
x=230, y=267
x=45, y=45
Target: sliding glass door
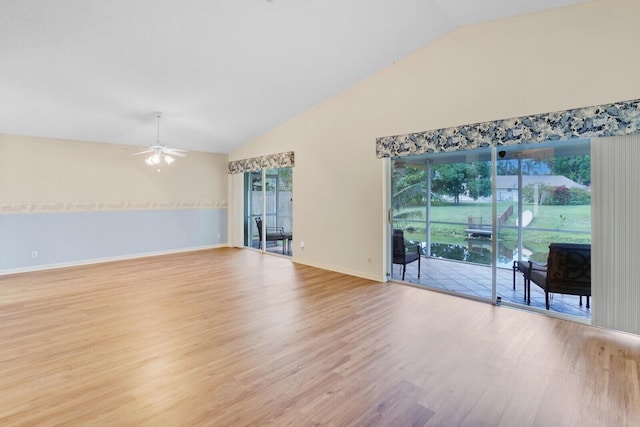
x=474, y=213
x=269, y=210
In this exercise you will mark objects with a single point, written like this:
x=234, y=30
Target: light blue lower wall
x=77, y=237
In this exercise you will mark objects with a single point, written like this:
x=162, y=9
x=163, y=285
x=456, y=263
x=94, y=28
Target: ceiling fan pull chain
x=158, y=115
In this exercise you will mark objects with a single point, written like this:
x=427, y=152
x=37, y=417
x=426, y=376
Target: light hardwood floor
x=233, y=337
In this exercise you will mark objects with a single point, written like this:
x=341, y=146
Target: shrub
x=561, y=195
x=580, y=196
x=545, y=193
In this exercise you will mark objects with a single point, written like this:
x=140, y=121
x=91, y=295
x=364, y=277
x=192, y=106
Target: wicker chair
x=568, y=271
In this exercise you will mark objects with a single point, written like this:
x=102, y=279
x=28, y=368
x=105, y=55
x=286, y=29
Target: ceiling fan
x=160, y=151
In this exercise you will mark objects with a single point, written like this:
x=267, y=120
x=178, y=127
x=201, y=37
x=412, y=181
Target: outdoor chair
x=404, y=254
x=525, y=267
x=274, y=234
x=568, y=271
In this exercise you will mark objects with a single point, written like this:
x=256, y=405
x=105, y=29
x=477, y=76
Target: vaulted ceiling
x=223, y=72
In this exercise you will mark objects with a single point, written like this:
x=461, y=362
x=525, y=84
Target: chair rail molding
x=615, y=119
x=88, y=206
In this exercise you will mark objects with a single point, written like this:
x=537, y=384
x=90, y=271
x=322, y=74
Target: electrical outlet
x=369, y=260
x=301, y=245
x=34, y=254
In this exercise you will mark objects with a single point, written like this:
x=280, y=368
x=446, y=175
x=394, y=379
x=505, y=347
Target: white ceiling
x=223, y=72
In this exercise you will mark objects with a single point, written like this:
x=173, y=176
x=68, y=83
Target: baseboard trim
x=107, y=259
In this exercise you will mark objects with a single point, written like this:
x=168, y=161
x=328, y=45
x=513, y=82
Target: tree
x=455, y=179
x=449, y=179
x=478, y=180
x=507, y=167
x=285, y=181
x=576, y=168
x=409, y=187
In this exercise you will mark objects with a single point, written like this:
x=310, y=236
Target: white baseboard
x=108, y=259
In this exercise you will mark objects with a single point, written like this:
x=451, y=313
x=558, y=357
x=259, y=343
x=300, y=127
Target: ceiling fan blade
x=160, y=150
x=173, y=152
x=142, y=152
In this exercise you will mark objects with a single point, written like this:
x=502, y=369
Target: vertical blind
x=615, y=265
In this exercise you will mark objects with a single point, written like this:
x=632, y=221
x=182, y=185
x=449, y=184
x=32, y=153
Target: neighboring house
x=507, y=185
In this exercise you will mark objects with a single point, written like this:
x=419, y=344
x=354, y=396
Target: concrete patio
x=475, y=280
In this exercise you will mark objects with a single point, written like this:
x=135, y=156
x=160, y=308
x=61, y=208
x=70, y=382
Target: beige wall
x=66, y=203
x=39, y=171
x=571, y=57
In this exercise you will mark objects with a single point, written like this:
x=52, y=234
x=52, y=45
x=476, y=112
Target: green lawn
x=564, y=221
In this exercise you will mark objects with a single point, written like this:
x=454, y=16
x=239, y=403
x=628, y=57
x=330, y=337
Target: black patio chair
x=403, y=254
x=274, y=234
x=526, y=267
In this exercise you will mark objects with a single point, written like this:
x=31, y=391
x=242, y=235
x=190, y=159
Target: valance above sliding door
x=272, y=161
x=267, y=203
x=620, y=118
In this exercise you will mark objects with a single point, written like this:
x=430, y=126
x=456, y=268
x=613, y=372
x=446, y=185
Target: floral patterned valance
x=272, y=161
x=620, y=118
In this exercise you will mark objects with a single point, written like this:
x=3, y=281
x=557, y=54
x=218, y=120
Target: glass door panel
x=548, y=186
x=279, y=210
x=462, y=222
x=443, y=203
x=253, y=208
x=409, y=219
x=271, y=209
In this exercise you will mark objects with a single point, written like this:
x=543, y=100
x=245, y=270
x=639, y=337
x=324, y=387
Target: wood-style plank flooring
x=231, y=337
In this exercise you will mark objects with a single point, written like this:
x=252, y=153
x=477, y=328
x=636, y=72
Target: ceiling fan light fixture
x=160, y=151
